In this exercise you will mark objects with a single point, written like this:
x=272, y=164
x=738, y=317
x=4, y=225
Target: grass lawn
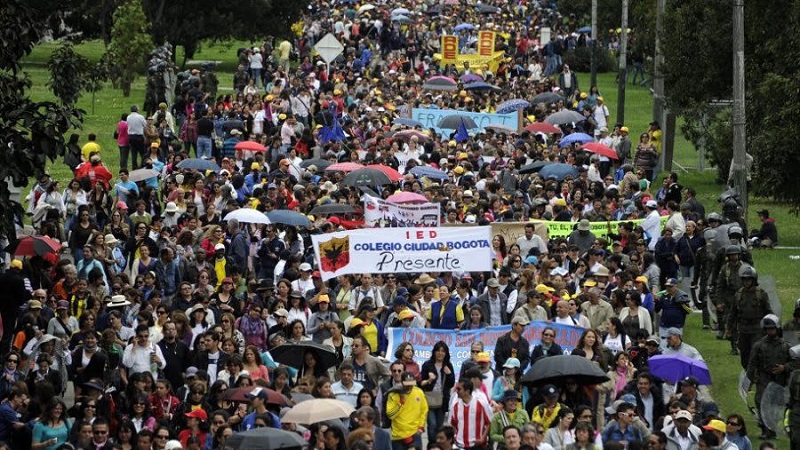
x=110, y=104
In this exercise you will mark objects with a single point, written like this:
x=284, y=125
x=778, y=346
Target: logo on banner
x=449, y=47
x=334, y=254
x=486, y=43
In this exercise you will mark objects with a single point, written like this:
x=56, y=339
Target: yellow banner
x=449, y=49
x=486, y=43
x=511, y=231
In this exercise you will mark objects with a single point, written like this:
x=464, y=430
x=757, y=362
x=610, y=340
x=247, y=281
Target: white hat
x=467, y=193
x=171, y=207
x=118, y=301
x=328, y=186
x=235, y=132
x=110, y=239
x=173, y=445
x=219, y=246
x=470, y=218
x=651, y=204
x=305, y=267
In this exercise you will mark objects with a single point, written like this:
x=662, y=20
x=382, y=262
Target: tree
x=30, y=132
x=130, y=44
x=66, y=73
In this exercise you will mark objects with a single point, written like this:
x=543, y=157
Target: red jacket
x=95, y=173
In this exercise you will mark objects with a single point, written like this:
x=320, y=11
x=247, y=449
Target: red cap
x=198, y=414
x=334, y=220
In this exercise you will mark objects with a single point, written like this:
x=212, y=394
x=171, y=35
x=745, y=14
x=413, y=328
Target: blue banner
x=459, y=342
x=430, y=117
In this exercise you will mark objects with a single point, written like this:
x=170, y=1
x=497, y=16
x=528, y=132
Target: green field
x=110, y=104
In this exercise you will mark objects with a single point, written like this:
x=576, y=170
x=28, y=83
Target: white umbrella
x=400, y=12
x=318, y=410
x=367, y=7
x=141, y=175
x=248, y=215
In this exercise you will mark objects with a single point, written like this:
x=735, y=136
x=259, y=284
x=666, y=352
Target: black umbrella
x=547, y=97
x=453, y=121
x=333, y=208
x=293, y=355
x=366, y=177
x=321, y=164
x=265, y=438
x=564, y=116
x=556, y=369
x=533, y=167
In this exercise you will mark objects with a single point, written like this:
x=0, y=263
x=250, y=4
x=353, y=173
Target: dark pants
x=136, y=142
x=416, y=444
x=745, y=344
x=124, y=150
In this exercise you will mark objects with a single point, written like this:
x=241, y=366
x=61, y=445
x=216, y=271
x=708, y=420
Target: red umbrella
x=344, y=167
x=543, y=127
x=407, y=197
x=407, y=134
x=34, y=245
x=252, y=146
x=600, y=149
x=391, y=173
x=240, y=395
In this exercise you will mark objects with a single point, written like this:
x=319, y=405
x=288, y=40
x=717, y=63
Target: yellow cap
x=16, y=264
x=584, y=95
x=281, y=116
x=451, y=144
x=270, y=98
x=337, y=92
x=561, y=202
x=356, y=322
x=600, y=98
x=255, y=166
x=590, y=283
x=624, y=129
x=463, y=93
x=542, y=288
x=459, y=170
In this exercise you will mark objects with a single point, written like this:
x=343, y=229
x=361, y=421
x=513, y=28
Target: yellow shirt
x=407, y=415
x=370, y=333
x=88, y=148
x=219, y=270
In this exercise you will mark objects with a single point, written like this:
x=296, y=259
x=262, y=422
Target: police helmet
x=770, y=321
x=714, y=217
x=794, y=352
x=748, y=272
x=733, y=250
x=735, y=230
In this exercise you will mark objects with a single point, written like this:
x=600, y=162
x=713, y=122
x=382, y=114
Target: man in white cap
x=681, y=433
x=652, y=223
x=170, y=215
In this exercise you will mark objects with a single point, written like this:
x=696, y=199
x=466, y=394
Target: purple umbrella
x=676, y=367
x=470, y=77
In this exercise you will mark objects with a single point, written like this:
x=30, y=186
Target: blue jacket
x=673, y=309
x=446, y=321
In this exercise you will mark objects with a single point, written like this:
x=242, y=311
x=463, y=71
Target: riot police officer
x=728, y=283
x=749, y=306
x=791, y=417
x=770, y=361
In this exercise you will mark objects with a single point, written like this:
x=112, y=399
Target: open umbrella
x=430, y=172
x=533, y=167
x=573, y=138
x=365, y=8
x=401, y=19
x=344, y=167
x=502, y=129
x=454, y=120
x=547, y=97
x=675, y=367
x=464, y=27
x=288, y=217
x=405, y=121
x=564, y=116
x=318, y=410
x=439, y=86
x=400, y=12
x=393, y=174
x=333, y=208
x=542, y=127
x=366, y=177
x=512, y=105
x=481, y=86
x=242, y=395
x=407, y=197
x=600, y=149
x=265, y=438
x=251, y=146
x=584, y=29
x=293, y=355
x=556, y=369
x=199, y=164
x=141, y=175
x=470, y=78
x=559, y=171
x=442, y=79
x=321, y=164
x=247, y=215
x=407, y=134
x=487, y=9
x=33, y=246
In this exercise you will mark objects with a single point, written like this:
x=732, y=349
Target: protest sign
x=459, y=342
x=379, y=213
x=430, y=118
x=486, y=43
x=403, y=250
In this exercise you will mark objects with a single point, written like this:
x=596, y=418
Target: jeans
x=124, y=150
x=435, y=421
x=204, y=146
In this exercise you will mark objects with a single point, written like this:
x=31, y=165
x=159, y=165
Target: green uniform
x=749, y=305
x=766, y=354
x=728, y=282
x=792, y=418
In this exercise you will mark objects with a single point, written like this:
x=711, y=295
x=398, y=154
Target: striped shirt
x=471, y=421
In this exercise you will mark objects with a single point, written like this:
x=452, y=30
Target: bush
x=580, y=60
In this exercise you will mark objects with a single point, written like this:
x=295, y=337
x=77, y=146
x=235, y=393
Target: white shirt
x=347, y=395
x=137, y=358
x=652, y=226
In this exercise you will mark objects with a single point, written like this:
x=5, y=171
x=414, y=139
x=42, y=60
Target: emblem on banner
x=334, y=254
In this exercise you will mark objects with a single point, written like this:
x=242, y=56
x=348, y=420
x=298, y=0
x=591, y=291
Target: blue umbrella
x=199, y=164
x=288, y=217
x=586, y=29
x=407, y=122
x=673, y=368
x=464, y=26
x=430, y=172
x=400, y=12
x=559, y=171
x=481, y=86
x=401, y=19
x=333, y=132
x=453, y=121
x=512, y=105
x=575, y=137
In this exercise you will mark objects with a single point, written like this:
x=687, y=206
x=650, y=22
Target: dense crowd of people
x=159, y=305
